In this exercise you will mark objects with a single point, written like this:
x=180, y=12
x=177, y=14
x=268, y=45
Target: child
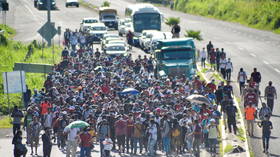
x=108, y=145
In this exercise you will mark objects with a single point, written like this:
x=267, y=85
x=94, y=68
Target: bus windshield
x=146, y=21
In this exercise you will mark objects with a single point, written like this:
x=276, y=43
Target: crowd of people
x=88, y=85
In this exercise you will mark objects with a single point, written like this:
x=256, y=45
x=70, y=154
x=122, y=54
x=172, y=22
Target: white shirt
x=153, y=132
x=203, y=54
x=229, y=65
x=223, y=63
x=72, y=133
x=108, y=144
x=242, y=76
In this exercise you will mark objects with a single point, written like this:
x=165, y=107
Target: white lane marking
x=265, y=62
x=253, y=55
x=277, y=70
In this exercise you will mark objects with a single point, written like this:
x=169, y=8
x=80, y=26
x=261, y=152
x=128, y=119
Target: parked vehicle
x=109, y=17
x=87, y=23
x=175, y=57
x=72, y=3
x=97, y=31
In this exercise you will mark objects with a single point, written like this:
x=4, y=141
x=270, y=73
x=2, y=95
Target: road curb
x=242, y=124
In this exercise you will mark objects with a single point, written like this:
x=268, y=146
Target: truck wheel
x=77, y=5
x=66, y=6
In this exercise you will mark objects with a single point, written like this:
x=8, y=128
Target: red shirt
x=105, y=89
x=211, y=87
x=45, y=107
x=120, y=127
x=251, y=98
x=85, y=139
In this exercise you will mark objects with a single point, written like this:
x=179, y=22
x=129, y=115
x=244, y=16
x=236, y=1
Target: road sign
x=33, y=68
x=48, y=31
x=14, y=82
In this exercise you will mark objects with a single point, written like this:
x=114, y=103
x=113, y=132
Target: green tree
x=106, y=4
x=193, y=34
x=172, y=21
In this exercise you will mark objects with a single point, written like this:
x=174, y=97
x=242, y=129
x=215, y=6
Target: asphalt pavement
x=247, y=47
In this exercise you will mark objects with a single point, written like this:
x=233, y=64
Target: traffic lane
x=23, y=19
x=27, y=19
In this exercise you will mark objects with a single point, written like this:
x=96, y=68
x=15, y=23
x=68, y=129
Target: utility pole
x=49, y=16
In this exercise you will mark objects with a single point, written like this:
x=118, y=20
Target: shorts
x=34, y=140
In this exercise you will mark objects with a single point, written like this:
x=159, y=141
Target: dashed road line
x=265, y=62
x=253, y=55
x=277, y=70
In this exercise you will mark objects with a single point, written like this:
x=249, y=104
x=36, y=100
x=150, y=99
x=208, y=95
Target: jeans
x=129, y=143
x=135, y=141
x=101, y=147
x=265, y=140
x=71, y=148
x=228, y=74
x=196, y=145
x=212, y=144
x=151, y=146
x=166, y=144
x=16, y=127
x=85, y=152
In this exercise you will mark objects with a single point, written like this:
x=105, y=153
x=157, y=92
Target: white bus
x=144, y=17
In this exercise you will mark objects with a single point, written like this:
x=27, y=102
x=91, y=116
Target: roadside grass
x=87, y=5
x=228, y=148
x=257, y=14
x=8, y=31
x=240, y=134
x=15, y=52
x=252, y=154
x=5, y=122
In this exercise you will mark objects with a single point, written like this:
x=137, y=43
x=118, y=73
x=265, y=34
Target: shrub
x=106, y=4
x=193, y=34
x=172, y=21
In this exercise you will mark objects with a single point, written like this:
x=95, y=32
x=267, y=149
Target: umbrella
x=131, y=91
x=200, y=99
x=78, y=124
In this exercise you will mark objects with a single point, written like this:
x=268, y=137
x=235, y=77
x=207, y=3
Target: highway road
x=247, y=47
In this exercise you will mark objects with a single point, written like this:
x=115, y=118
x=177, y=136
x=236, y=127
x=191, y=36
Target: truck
x=109, y=17
x=175, y=57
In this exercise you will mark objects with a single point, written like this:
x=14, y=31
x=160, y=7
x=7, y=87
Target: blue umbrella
x=131, y=91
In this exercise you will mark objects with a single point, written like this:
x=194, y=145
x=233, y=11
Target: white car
x=115, y=41
x=151, y=45
x=97, y=31
x=144, y=35
x=72, y=3
x=87, y=23
x=148, y=38
x=116, y=50
x=128, y=27
x=108, y=37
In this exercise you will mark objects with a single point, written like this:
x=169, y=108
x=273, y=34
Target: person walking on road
x=256, y=76
x=250, y=115
x=35, y=128
x=152, y=139
x=203, y=55
x=197, y=135
x=223, y=63
x=72, y=141
x=17, y=115
x=209, y=48
x=266, y=126
x=242, y=78
x=120, y=130
x=229, y=69
x=218, y=58
x=231, y=111
x=85, y=143
x=19, y=148
x=176, y=31
x=47, y=144
x=264, y=111
x=108, y=145
x=213, y=133
x=165, y=130
x=270, y=95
